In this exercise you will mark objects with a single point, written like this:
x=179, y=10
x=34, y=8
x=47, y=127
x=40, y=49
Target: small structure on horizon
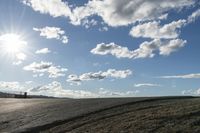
x=21, y=95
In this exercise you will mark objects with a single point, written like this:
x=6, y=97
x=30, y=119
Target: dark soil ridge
x=46, y=127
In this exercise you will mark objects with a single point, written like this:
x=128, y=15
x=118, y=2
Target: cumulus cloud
x=20, y=57
x=186, y=76
x=89, y=23
x=165, y=39
x=104, y=28
x=11, y=86
x=46, y=67
x=52, y=89
x=55, y=89
x=113, y=12
x=191, y=92
x=52, y=33
x=147, y=85
x=145, y=50
x=118, y=13
x=108, y=93
x=14, y=86
x=56, y=71
x=38, y=67
x=43, y=51
x=55, y=8
x=113, y=49
x=112, y=73
x=172, y=46
x=194, y=16
x=156, y=31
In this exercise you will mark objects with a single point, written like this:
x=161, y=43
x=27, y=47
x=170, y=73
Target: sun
x=12, y=43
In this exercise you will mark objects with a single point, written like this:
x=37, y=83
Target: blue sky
x=100, y=48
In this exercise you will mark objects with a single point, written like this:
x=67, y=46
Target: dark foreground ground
x=117, y=115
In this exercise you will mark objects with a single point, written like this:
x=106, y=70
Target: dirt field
x=117, y=115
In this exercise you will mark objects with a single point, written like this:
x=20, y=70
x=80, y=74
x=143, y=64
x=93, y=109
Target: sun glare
x=12, y=43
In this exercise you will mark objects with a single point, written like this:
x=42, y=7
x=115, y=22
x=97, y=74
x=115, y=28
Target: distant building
x=21, y=95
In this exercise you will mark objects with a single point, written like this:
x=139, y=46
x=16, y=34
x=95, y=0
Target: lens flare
x=12, y=43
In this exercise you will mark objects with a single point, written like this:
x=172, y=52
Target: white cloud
x=52, y=33
x=43, y=51
x=52, y=89
x=112, y=73
x=10, y=85
x=198, y=91
x=194, y=16
x=55, y=89
x=163, y=17
x=120, y=13
x=104, y=28
x=187, y=92
x=145, y=50
x=88, y=23
x=172, y=46
x=113, y=12
x=46, y=67
x=156, y=31
x=56, y=71
x=107, y=93
x=16, y=63
x=113, y=49
x=38, y=67
x=21, y=56
x=55, y=8
x=147, y=85
x=186, y=76
x=191, y=92
x=117, y=73
x=117, y=12
x=64, y=39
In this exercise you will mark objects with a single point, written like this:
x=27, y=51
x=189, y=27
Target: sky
x=100, y=48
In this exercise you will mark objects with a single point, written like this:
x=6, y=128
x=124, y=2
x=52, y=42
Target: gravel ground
x=17, y=115
x=116, y=115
